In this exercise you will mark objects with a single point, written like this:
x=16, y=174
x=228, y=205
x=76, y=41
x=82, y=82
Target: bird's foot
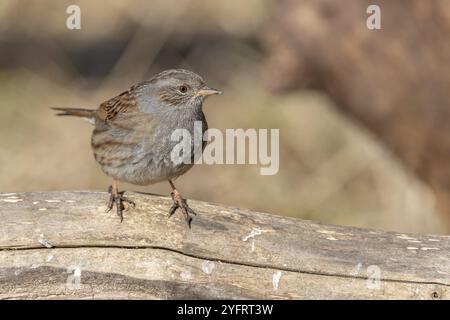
x=119, y=199
x=179, y=202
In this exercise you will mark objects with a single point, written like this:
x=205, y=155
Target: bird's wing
x=123, y=103
x=121, y=122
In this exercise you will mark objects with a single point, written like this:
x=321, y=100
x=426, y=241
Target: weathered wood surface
x=64, y=245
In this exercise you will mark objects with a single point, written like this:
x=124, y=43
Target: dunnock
x=132, y=136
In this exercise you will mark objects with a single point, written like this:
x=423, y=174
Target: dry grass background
x=331, y=169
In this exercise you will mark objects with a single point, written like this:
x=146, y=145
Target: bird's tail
x=87, y=114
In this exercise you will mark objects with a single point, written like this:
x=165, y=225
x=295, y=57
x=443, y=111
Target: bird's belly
x=146, y=168
x=150, y=171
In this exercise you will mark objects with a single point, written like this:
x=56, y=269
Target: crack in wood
x=230, y=262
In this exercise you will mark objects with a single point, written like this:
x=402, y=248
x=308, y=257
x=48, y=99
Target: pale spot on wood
x=12, y=200
x=434, y=240
x=255, y=232
x=70, y=201
x=332, y=232
x=415, y=241
x=44, y=242
x=356, y=270
x=326, y=231
x=208, y=266
x=185, y=275
x=428, y=248
x=276, y=280
x=52, y=201
x=49, y=257
x=405, y=237
x=7, y=194
x=331, y=238
x=36, y=202
x=412, y=248
x=42, y=209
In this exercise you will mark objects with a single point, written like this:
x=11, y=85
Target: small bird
x=132, y=136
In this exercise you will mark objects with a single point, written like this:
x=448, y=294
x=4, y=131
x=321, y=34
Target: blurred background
x=363, y=114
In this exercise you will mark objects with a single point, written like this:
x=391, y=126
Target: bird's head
x=178, y=88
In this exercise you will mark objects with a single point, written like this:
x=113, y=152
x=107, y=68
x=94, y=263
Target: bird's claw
x=119, y=200
x=179, y=202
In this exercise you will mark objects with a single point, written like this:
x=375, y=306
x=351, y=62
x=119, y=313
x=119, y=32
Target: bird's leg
x=179, y=202
x=117, y=198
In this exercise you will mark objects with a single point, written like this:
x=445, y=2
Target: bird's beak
x=206, y=91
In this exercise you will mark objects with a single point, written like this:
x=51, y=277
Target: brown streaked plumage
x=132, y=136
x=123, y=103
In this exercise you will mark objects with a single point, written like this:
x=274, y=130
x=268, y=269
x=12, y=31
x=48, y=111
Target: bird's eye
x=183, y=89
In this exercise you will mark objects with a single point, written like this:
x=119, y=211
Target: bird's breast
x=144, y=155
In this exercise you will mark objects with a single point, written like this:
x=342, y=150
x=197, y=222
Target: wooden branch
x=64, y=245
